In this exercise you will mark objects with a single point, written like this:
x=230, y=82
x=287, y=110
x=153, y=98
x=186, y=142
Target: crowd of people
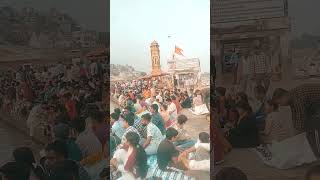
x=148, y=137
x=67, y=102
x=269, y=124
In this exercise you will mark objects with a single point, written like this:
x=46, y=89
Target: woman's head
x=132, y=139
x=166, y=154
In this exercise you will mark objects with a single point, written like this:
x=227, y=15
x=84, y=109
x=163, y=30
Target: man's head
x=260, y=92
x=97, y=118
x=204, y=137
x=128, y=120
x=171, y=134
x=154, y=108
x=313, y=173
x=145, y=119
x=56, y=151
x=114, y=117
x=281, y=97
x=182, y=119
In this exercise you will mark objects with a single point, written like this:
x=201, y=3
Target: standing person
x=157, y=118
x=260, y=66
x=235, y=61
x=244, y=72
x=132, y=161
x=304, y=101
x=70, y=106
x=154, y=135
x=165, y=115
x=172, y=110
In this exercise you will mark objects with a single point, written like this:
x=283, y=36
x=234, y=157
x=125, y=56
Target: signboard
x=184, y=64
x=226, y=11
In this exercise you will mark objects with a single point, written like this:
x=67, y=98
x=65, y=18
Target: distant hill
x=124, y=72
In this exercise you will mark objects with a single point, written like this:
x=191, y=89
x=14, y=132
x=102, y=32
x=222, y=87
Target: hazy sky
x=134, y=24
x=91, y=14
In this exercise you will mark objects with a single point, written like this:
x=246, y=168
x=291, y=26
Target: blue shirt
x=117, y=129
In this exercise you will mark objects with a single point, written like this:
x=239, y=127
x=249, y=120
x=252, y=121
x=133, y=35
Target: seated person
x=156, y=118
x=154, y=135
x=260, y=115
x=183, y=141
x=245, y=133
x=201, y=159
x=167, y=166
x=65, y=170
x=275, y=128
x=62, y=132
x=186, y=103
x=131, y=161
x=116, y=127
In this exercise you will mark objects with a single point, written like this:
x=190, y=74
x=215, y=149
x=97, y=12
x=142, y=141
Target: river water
x=11, y=139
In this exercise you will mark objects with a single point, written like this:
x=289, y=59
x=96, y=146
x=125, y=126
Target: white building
x=186, y=71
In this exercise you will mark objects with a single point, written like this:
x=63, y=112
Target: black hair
x=171, y=132
x=134, y=101
x=146, y=117
x=24, y=155
x=79, y=125
x=204, y=137
x=260, y=89
x=315, y=170
x=141, y=160
x=182, y=119
x=173, y=97
x=274, y=105
x=66, y=169
x=243, y=96
x=15, y=171
x=97, y=116
x=230, y=173
x=129, y=118
x=166, y=151
x=245, y=106
x=117, y=111
x=115, y=116
x=278, y=93
x=155, y=107
x=59, y=147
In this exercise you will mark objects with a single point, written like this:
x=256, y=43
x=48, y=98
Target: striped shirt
x=259, y=63
x=129, y=129
x=170, y=174
x=303, y=97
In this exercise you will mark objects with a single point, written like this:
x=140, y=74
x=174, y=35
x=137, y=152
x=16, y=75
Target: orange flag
x=178, y=51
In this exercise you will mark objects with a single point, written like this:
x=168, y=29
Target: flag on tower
x=178, y=51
